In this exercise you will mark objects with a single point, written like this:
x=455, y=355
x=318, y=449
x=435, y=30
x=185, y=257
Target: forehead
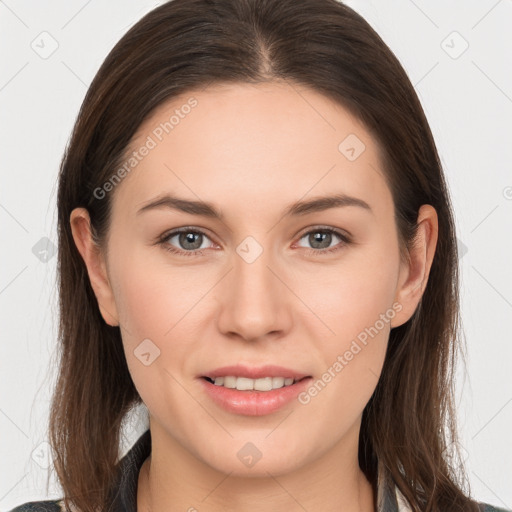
x=252, y=146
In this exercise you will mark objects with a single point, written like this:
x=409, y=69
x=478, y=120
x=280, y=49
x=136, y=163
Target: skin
x=252, y=150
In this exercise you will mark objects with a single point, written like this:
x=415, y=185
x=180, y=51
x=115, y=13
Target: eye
x=321, y=238
x=190, y=240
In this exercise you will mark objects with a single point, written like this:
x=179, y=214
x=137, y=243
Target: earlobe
x=95, y=263
x=413, y=276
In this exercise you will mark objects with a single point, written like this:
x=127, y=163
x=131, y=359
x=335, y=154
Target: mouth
x=247, y=384
x=253, y=397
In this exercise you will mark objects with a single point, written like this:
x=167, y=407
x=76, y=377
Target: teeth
x=244, y=384
x=278, y=382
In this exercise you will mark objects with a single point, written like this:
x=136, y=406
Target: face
x=314, y=290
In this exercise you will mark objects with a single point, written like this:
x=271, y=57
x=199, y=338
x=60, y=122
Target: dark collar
x=125, y=489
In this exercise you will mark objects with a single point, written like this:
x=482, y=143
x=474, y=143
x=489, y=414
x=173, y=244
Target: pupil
x=188, y=238
x=319, y=237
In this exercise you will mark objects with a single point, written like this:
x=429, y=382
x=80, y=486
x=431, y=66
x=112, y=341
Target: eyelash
x=163, y=240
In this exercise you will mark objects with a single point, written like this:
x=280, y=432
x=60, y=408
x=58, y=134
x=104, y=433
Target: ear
x=413, y=275
x=95, y=263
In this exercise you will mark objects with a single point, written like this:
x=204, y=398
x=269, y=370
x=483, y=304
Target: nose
x=255, y=302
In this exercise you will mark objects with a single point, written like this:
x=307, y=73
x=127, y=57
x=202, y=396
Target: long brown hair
x=409, y=423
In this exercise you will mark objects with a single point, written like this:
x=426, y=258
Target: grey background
x=466, y=93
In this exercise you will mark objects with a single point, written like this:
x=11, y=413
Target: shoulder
x=486, y=507
x=40, y=506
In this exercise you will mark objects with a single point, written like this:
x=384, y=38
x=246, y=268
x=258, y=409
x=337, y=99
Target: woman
x=277, y=375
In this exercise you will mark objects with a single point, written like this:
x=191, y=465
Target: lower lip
x=254, y=403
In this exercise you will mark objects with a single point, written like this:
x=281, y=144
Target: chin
x=252, y=459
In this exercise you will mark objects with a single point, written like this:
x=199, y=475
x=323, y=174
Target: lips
x=253, y=402
x=255, y=372
x=248, y=401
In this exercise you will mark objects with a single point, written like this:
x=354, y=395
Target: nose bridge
x=254, y=301
x=251, y=274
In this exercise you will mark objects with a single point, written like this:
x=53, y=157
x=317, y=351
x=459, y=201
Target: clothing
x=125, y=499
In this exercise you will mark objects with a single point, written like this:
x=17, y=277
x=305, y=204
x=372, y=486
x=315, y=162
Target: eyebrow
x=299, y=208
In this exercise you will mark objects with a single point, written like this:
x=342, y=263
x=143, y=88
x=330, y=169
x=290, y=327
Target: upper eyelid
x=322, y=227
x=173, y=232
x=343, y=235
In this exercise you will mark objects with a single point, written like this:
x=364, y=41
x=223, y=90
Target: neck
x=172, y=479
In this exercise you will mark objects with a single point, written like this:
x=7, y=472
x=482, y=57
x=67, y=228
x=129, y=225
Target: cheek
x=151, y=295
x=154, y=304
x=356, y=303
x=164, y=303
x=145, y=309
x=352, y=294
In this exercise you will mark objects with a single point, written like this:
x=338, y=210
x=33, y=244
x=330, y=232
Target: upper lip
x=255, y=372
